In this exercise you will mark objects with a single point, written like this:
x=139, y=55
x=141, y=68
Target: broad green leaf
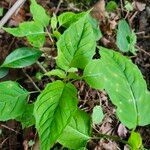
x=53, y=110
x=22, y=57
x=126, y=39
x=32, y=30
x=56, y=72
x=27, y=118
x=126, y=88
x=3, y=72
x=135, y=141
x=68, y=18
x=39, y=14
x=76, y=46
x=97, y=115
x=111, y=6
x=93, y=74
x=78, y=131
x=12, y=100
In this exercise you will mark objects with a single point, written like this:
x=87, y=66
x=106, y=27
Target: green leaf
x=56, y=72
x=68, y=18
x=111, y=6
x=39, y=14
x=95, y=26
x=132, y=42
x=53, y=110
x=22, y=57
x=39, y=75
x=135, y=141
x=54, y=22
x=76, y=46
x=126, y=39
x=3, y=72
x=126, y=88
x=128, y=6
x=32, y=30
x=12, y=100
x=27, y=118
x=97, y=115
x=92, y=74
x=73, y=75
x=78, y=131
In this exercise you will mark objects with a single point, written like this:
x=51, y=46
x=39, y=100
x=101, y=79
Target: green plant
x=55, y=113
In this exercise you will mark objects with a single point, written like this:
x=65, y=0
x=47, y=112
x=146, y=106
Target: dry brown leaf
x=106, y=145
x=122, y=131
x=139, y=6
x=98, y=11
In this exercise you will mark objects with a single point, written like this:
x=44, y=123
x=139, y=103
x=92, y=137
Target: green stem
x=114, y=138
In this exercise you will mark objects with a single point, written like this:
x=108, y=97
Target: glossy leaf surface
x=53, y=110
x=32, y=30
x=78, y=131
x=126, y=88
x=39, y=14
x=12, y=100
x=76, y=46
x=22, y=57
x=27, y=119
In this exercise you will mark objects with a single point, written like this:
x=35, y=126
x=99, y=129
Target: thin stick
x=6, y=127
x=41, y=67
x=110, y=137
x=10, y=12
x=57, y=9
x=36, y=87
x=141, y=49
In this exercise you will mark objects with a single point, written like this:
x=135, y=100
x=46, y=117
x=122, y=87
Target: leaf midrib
x=131, y=90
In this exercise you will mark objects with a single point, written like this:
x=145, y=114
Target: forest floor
x=13, y=137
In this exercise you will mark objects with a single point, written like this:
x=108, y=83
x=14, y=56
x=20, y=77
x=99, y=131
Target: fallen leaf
x=139, y=6
x=122, y=131
x=98, y=11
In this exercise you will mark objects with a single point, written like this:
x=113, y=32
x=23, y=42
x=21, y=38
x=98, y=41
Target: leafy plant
x=55, y=113
x=97, y=115
x=126, y=39
x=111, y=6
x=135, y=141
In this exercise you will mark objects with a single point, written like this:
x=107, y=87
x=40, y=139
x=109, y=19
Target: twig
x=122, y=9
x=31, y=80
x=10, y=12
x=1, y=145
x=6, y=127
x=133, y=16
x=41, y=67
x=57, y=9
x=141, y=49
